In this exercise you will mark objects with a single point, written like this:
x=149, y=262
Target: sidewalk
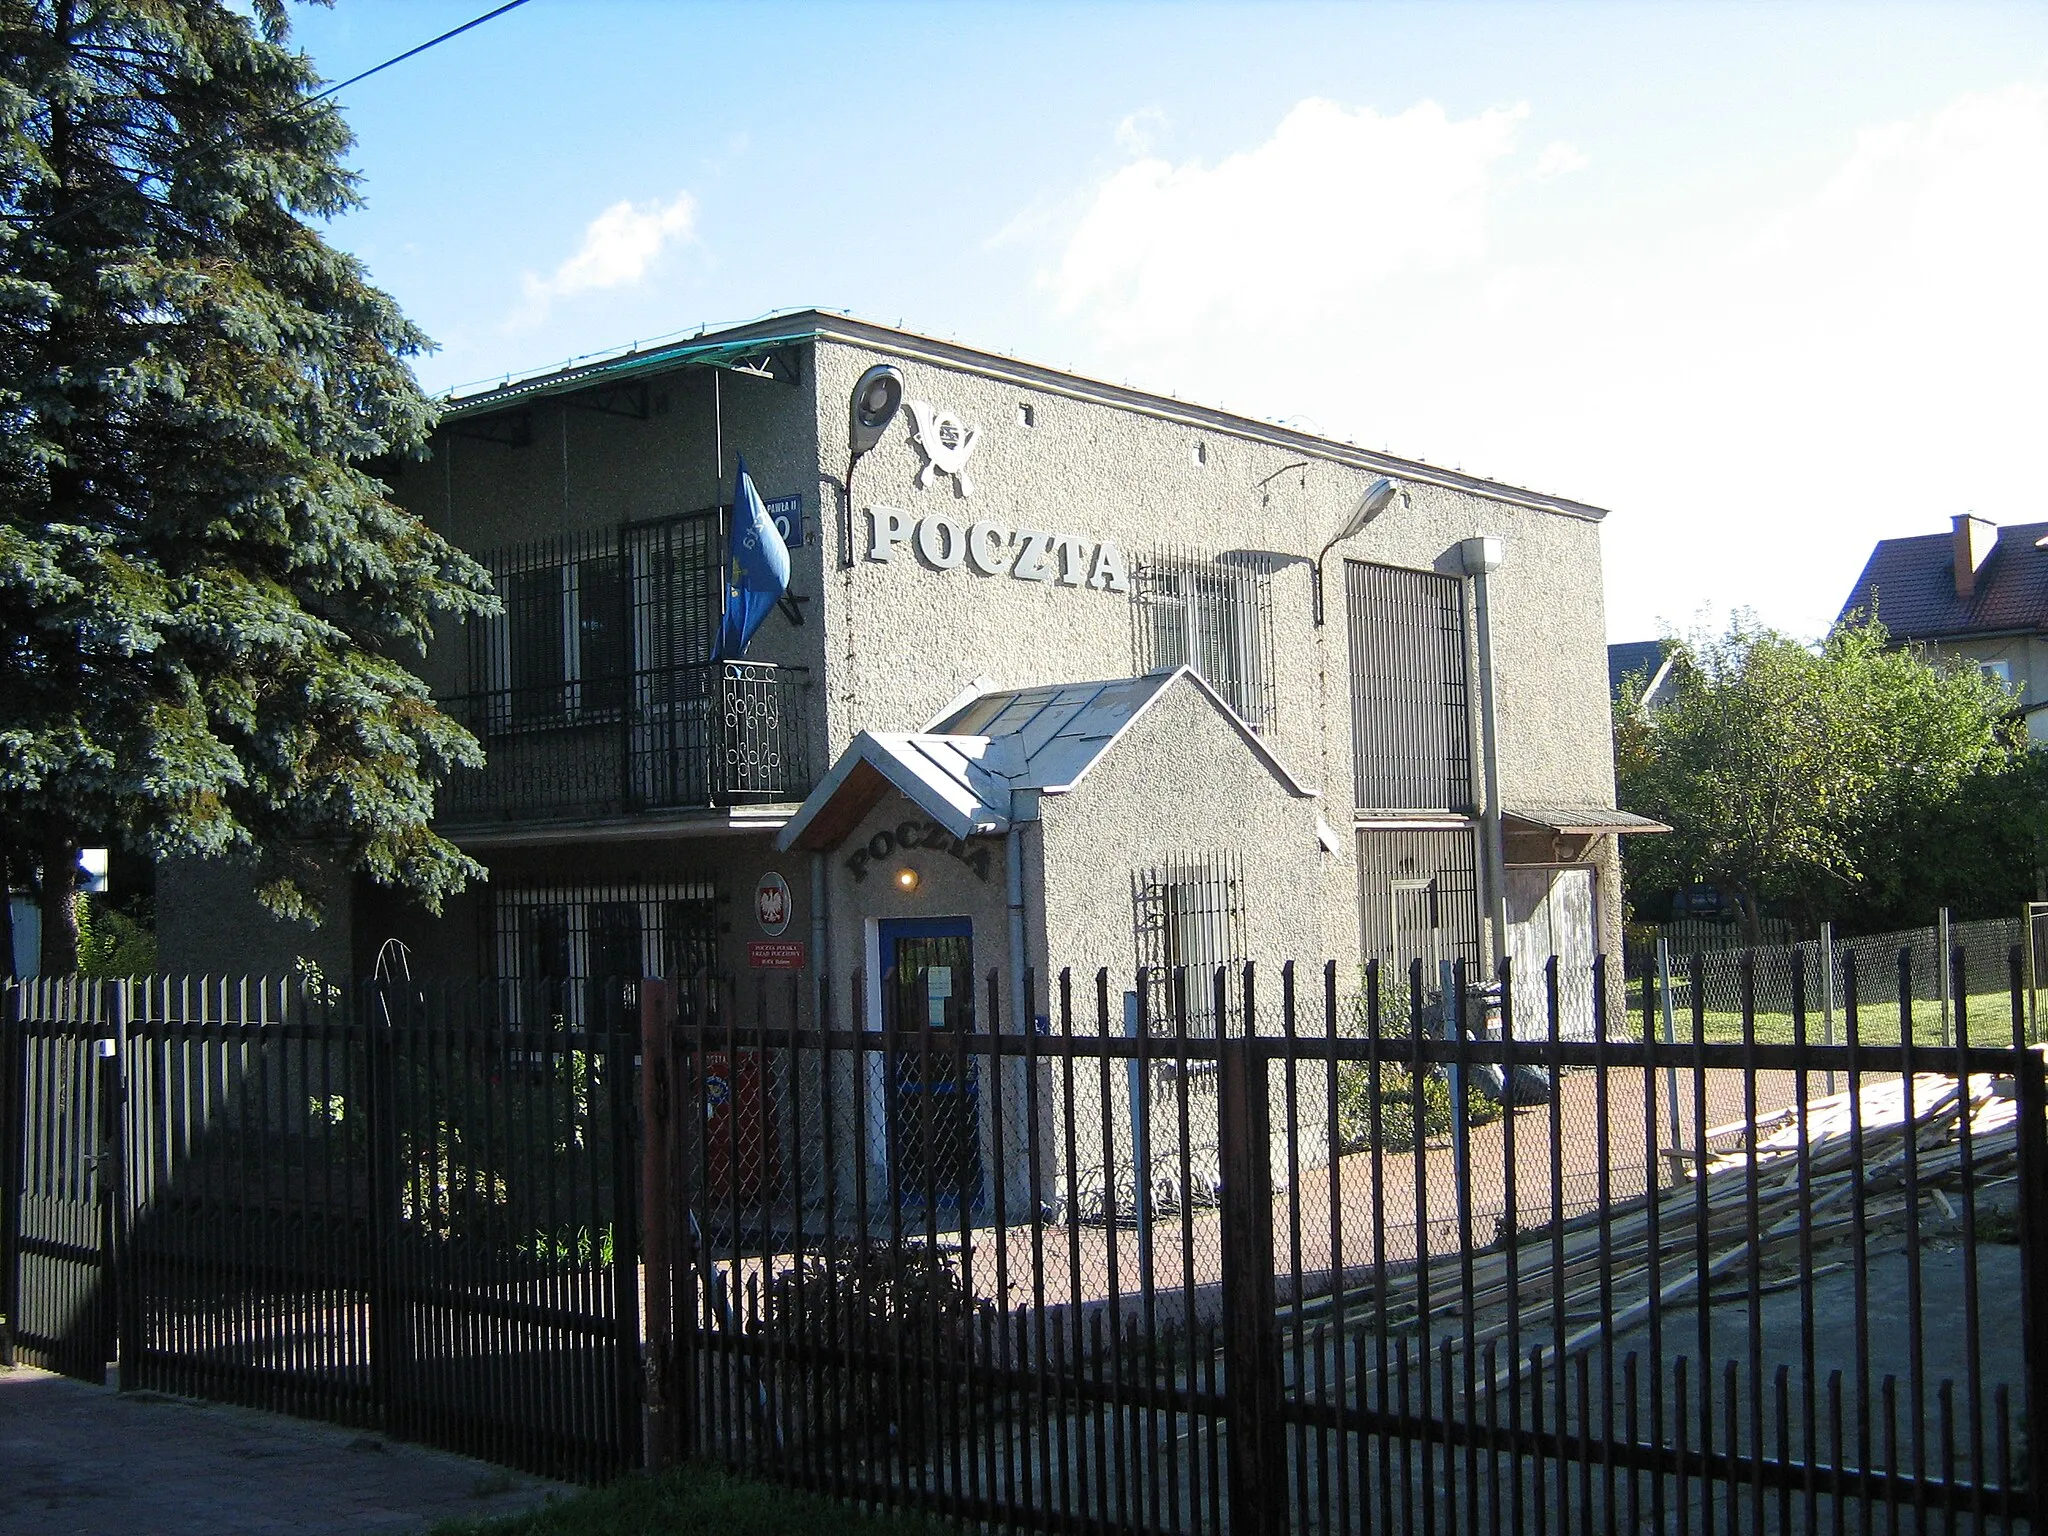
x=78, y=1460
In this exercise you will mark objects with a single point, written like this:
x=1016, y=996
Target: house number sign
x=989, y=549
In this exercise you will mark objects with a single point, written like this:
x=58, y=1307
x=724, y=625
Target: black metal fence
x=406, y=1210
x=1341, y=1266
x=1322, y=1274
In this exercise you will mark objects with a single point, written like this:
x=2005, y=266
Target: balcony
x=695, y=737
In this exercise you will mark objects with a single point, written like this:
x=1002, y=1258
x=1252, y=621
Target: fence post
x=108, y=1177
x=13, y=1114
x=390, y=1326
x=1251, y=1360
x=126, y=1279
x=622, y=1038
x=2032, y=1095
x=1941, y=987
x=1827, y=993
x=657, y=1242
x=1138, y=1078
x=1670, y=1038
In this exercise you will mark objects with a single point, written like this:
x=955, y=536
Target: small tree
x=202, y=586
x=1848, y=774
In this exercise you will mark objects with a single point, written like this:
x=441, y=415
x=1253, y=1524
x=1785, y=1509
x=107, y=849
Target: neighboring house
x=1641, y=674
x=1978, y=593
x=1053, y=687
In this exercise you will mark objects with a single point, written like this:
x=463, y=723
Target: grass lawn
x=686, y=1502
x=1989, y=1015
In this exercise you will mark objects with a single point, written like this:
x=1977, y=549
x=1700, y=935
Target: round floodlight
x=877, y=397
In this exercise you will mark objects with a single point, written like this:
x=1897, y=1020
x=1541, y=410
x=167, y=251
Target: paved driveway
x=79, y=1460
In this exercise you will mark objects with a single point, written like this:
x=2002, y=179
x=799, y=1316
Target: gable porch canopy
x=985, y=761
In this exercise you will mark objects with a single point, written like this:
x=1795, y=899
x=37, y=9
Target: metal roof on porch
x=968, y=773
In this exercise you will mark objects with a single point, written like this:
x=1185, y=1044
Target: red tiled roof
x=1911, y=584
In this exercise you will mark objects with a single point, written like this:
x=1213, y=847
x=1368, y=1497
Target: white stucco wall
x=1181, y=780
x=888, y=644
x=904, y=637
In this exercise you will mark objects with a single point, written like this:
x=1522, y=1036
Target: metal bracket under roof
x=781, y=363
x=514, y=429
x=629, y=399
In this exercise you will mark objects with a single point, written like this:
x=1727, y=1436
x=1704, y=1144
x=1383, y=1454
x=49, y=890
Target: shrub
x=112, y=943
x=851, y=1319
x=1395, y=1092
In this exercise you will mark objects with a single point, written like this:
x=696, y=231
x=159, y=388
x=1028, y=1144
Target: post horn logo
x=947, y=442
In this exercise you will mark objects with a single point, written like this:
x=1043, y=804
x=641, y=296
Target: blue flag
x=756, y=575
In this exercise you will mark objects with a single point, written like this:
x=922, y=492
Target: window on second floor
x=1410, y=730
x=593, y=622
x=564, y=642
x=1215, y=616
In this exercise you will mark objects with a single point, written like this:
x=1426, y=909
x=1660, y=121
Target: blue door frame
x=934, y=1118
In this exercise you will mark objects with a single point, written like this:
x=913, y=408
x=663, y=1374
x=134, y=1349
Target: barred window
x=587, y=614
x=570, y=939
x=557, y=654
x=1188, y=914
x=1418, y=896
x=1410, y=732
x=1215, y=616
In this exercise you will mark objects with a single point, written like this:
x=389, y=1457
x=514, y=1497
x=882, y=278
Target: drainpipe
x=1483, y=556
x=821, y=962
x=1013, y=859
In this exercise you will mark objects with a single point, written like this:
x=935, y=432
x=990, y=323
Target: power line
x=432, y=42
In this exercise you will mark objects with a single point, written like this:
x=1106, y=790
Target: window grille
x=1418, y=895
x=591, y=618
x=1215, y=616
x=567, y=940
x=1411, y=735
x=676, y=568
x=1188, y=914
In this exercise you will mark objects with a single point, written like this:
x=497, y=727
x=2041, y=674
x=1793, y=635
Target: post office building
x=1056, y=674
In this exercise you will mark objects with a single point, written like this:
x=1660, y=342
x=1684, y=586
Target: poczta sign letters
x=989, y=549
x=908, y=836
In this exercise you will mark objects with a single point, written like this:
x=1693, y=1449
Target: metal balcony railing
x=673, y=738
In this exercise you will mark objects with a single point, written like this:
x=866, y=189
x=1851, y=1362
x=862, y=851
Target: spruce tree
x=207, y=597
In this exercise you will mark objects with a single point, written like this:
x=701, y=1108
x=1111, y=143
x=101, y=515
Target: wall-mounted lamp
x=1370, y=505
x=877, y=397
x=906, y=880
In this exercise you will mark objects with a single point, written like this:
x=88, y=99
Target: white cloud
x=1333, y=203
x=1139, y=132
x=1758, y=392
x=618, y=247
x=1559, y=159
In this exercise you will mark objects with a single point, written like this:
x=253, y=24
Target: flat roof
x=746, y=348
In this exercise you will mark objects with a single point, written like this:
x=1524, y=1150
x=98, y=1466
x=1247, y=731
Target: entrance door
x=935, y=1102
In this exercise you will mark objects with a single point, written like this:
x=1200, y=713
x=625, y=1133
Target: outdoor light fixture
x=877, y=397
x=906, y=880
x=1370, y=505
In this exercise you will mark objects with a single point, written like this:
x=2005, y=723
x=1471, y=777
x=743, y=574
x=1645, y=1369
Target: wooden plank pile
x=1818, y=1192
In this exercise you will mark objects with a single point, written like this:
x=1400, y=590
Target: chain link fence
x=1710, y=989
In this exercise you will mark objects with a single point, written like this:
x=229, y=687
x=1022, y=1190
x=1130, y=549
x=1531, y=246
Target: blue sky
x=1765, y=280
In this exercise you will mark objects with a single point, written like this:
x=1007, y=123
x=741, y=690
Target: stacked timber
x=1792, y=1202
